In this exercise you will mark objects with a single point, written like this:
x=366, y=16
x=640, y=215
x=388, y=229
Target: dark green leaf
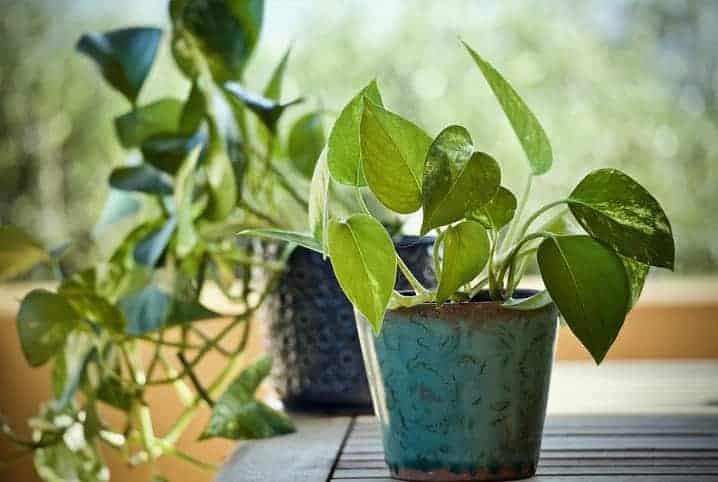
x=193, y=111
x=239, y=415
x=124, y=56
x=149, y=250
x=273, y=90
x=466, y=251
x=531, y=135
x=300, y=239
x=637, y=273
x=167, y=151
x=618, y=211
x=534, y=302
x=142, y=178
x=138, y=125
x=225, y=31
x=269, y=111
x=187, y=236
x=589, y=284
x=364, y=262
x=114, y=393
x=498, y=212
x=18, y=252
x=393, y=151
x=43, y=323
x=455, y=181
x=306, y=141
x=344, y=147
x=187, y=311
x=146, y=310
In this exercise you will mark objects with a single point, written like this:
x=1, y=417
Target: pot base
x=444, y=475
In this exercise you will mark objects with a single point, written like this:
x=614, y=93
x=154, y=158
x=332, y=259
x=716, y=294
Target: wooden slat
x=307, y=455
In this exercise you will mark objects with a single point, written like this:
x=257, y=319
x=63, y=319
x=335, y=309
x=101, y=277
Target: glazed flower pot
x=313, y=337
x=460, y=390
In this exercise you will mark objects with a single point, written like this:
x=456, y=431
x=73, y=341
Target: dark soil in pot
x=313, y=334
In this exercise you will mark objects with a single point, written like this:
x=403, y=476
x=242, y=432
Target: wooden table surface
x=667, y=431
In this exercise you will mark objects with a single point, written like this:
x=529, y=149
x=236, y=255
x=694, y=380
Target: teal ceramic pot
x=460, y=389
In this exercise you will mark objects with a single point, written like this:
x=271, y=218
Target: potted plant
x=126, y=316
x=460, y=373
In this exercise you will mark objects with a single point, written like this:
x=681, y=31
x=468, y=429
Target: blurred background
x=620, y=83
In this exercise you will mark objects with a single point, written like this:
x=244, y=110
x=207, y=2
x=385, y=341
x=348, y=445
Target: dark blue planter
x=460, y=390
x=313, y=336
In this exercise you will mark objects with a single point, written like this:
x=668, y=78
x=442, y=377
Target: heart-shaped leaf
x=167, y=151
x=18, y=252
x=300, y=239
x=225, y=32
x=531, y=135
x=138, y=125
x=269, y=111
x=456, y=182
x=466, y=251
x=142, y=178
x=344, y=147
x=637, y=273
x=124, y=56
x=364, y=262
x=318, y=209
x=589, y=284
x=306, y=141
x=273, y=90
x=393, y=151
x=615, y=209
x=498, y=212
x=43, y=323
x=149, y=250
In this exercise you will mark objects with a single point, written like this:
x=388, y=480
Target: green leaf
x=534, y=302
x=393, y=151
x=456, y=182
x=269, y=111
x=498, y=212
x=637, y=273
x=43, y=323
x=119, y=205
x=589, y=284
x=466, y=251
x=224, y=31
x=142, y=178
x=149, y=250
x=158, y=117
x=318, y=210
x=193, y=111
x=364, y=262
x=18, y=252
x=187, y=236
x=79, y=349
x=187, y=311
x=123, y=56
x=306, y=141
x=112, y=392
x=166, y=152
x=344, y=147
x=618, y=211
x=239, y=415
x=273, y=90
x=526, y=126
x=301, y=239
x=146, y=310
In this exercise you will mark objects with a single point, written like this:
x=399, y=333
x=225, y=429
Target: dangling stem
x=419, y=289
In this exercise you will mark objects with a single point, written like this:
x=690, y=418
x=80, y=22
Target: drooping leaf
x=273, y=90
x=301, y=239
x=149, y=250
x=239, y=415
x=498, y=212
x=43, y=323
x=186, y=234
x=529, y=132
x=224, y=31
x=123, y=56
x=589, y=284
x=142, y=178
x=306, y=141
x=533, y=302
x=146, y=310
x=364, y=262
x=18, y=252
x=393, y=151
x=466, y=251
x=269, y=111
x=166, y=152
x=456, y=182
x=615, y=209
x=158, y=117
x=344, y=147
x=318, y=209
x=637, y=273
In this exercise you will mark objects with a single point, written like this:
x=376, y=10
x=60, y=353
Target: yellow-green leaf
x=466, y=251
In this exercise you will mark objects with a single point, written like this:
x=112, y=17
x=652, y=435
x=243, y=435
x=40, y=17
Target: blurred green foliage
x=626, y=84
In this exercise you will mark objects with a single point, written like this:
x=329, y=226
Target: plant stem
x=538, y=213
x=419, y=289
x=195, y=381
x=284, y=182
x=510, y=257
x=509, y=239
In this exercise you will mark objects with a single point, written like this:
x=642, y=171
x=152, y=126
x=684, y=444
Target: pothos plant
x=483, y=238
x=203, y=168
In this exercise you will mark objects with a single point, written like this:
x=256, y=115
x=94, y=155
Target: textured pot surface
x=318, y=361
x=460, y=390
